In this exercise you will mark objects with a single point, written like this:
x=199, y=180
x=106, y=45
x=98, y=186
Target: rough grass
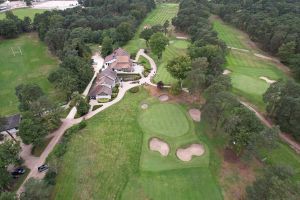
x=24, y=12
x=32, y=67
x=103, y=161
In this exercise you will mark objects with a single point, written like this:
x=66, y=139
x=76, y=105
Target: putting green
x=164, y=119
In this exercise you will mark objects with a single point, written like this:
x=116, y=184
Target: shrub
x=50, y=177
x=175, y=88
x=103, y=100
x=134, y=89
x=96, y=107
x=114, y=95
x=1, y=137
x=115, y=90
x=145, y=73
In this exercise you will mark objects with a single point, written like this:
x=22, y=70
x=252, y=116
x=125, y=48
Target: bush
x=133, y=55
x=96, y=107
x=145, y=73
x=129, y=77
x=103, y=100
x=1, y=137
x=114, y=95
x=175, y=89
x=83, y=107
x=134, y=89
x=50, y=177
x=115, y=89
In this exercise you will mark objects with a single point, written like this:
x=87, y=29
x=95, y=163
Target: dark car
x=18, y=171
x=43, y=167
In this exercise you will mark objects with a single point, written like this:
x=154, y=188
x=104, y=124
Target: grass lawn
x=103, y=160
x=24, y=12
x=245, y=67
x=32, y=67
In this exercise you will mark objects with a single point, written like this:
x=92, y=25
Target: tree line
x=274, y=24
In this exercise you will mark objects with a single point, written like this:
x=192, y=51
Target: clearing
x=33, y=66
x=24, y=12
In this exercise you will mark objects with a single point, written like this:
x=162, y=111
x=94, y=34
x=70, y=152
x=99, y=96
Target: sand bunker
x=195, y=114
x=144, y=106
x=267, y=80
x=226, y=72
x=156, y=144
x=187, y=153
x=163, y=97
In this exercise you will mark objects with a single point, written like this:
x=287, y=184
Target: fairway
x=246, y=69
x=33, y=66
x=104, y=160
x=24, y=12
x=159, y=15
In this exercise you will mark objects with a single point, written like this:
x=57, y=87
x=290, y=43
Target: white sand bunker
x=187, y=153
x=144, y=106
x=226, y=72
x=163, y=97
x=195, y=114
x=156, y=144
x=267, y=80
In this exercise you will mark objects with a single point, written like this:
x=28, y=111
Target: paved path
x=33, y=162
x=285, y=137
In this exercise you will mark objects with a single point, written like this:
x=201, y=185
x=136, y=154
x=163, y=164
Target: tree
x=276, y=184
x=26, y=24
x=36, y=189
x=28, y=93
x=158, y=43
x=179, y=67
x=166, y=26
x=106, y=46
x=196, y=78
x=81, y=104
x=160, y=85
x=28, y=2
x=124, y=33
x=32, y=130
x=146, y=35
x=286, y=51
x=9, y=154
x=8, y=28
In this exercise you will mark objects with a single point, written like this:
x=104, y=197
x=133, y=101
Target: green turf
x=24, y=12
x=33, y=66
x=103, y=160
x=192, y=184
x=170, y=121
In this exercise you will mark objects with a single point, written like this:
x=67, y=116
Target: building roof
x=11, y=122
x=122, y=62
x=105, y=80
x=109, y=73
x=115, y=54
x=100, y=90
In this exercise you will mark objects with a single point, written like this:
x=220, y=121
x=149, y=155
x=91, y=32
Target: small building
x=10, y=125
x=105, y=82
x=119, y=60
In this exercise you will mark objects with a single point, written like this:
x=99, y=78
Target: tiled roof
x=100, y=89
x=116, y=53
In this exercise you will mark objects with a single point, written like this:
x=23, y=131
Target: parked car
x=43, y=167
x=18, y=171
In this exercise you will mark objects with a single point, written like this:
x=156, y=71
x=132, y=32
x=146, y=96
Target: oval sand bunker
x=156, y=144
x=195, y=114
x=164, y=97
x=144, y=106
x=187, y=153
